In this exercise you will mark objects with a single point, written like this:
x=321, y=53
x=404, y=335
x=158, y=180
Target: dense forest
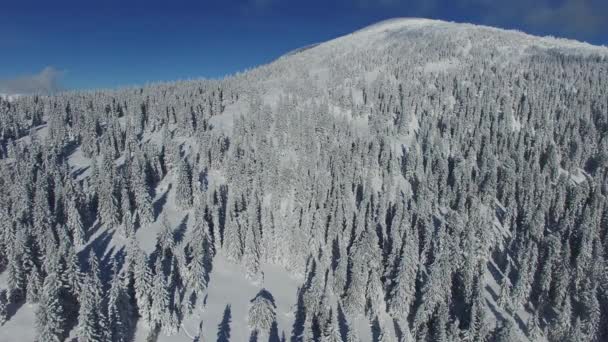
x=444, y=182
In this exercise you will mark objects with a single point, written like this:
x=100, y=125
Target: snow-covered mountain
x=414, y=180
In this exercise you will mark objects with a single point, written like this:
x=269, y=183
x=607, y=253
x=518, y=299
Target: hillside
x=416, y=180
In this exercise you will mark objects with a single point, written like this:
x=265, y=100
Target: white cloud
x=47, y=81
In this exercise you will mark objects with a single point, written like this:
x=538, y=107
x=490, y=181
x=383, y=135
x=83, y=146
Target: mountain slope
x=414, y=180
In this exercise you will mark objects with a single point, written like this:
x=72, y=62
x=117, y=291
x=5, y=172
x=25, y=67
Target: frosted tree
x=143, y=280
x=34, y=287
x=563, y=322
x=183, y=190
x=143, y=200
x=201, y=257
x=3, y=307
x=364, y=255
x=127, y=227
x=50, y=318
x=331, y=331
x=41, y=214
x=120, y=310
x=504, y=296
x=533, y=326
x=108, y=204
x=477, y=330
x=403, y=293
x=73, y=275
x=261, y=312
x=506, y=332
x=374, y=294
x=314, y=291
x=166, y=238
x=16, y=268
x=251, y=257
x=92, y=325
x=74, y=223
x=160, y=312
x=341, y=271
x=233, y=240
x=352, y=336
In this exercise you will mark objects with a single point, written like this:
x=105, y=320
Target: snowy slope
x=335, y=66
x=309, y=70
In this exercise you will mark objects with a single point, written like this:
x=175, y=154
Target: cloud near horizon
x=44, y=82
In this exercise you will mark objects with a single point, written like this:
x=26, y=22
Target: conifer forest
x=416, y=180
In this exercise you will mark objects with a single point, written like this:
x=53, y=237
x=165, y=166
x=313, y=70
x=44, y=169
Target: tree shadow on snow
x=300, y=317
x=223, y=329
x=274, y=333
x=254, y=336
x=491, y=292
x=160, y=202
x=376, y=331
x=12, y=307
x=92, y=229
x=496, y=273
x=300, y=314
x=342, y=322
x=99, y=246
x=111, y=256
x=180, y=231
x=78, y=172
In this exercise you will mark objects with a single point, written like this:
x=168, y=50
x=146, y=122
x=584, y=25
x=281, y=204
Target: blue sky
x=77, y=44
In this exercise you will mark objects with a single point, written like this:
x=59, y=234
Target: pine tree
x=166, y=238
x=251, y=257
x=75, y=225
x=331, y=331
x=506, y=332
x=183, y=194
x=232, y=240
x=34, y=287
x=50, y=313
x=563, y=322
x=261, y=312
x=374, y=294
x=3, y=307
x=533, y=326
x=92, y=325
x=143, y=279
x=108, y=204
x=352, y=336
x=403, y=293
x=73, y=273
x=160, y=312
x=504, y=297
x=143, y=201
x=127, y=228
x=201, y=258
x=120, y=310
